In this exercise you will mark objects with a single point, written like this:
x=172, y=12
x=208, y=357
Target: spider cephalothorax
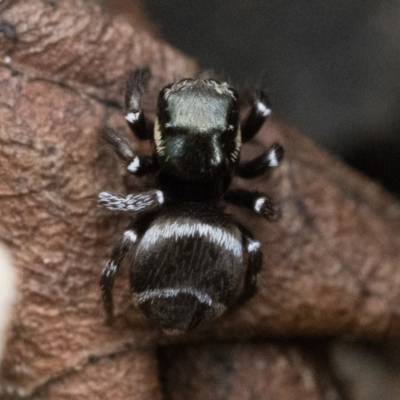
x=187, y=256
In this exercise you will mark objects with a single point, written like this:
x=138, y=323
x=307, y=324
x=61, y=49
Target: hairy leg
x=271, y=158
x=135, y=87
x=255, y=201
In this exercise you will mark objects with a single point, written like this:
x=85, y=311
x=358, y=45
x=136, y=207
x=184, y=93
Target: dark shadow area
x=331, y=68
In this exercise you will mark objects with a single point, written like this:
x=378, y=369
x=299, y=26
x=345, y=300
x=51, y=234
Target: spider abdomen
x=188, y=267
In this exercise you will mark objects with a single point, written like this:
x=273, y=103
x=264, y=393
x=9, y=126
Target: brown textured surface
x=129, y=375
x=134, y=12
x=64, y=58
x=331, y=263
x=75, y=41
x=246, y=372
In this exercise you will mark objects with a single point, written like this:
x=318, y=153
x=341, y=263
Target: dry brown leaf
x=330, y=264
x=246, y=372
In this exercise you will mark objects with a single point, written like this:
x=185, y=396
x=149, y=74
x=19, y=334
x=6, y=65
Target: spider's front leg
x=270, y=158
x=135, y=87
x=259, y=112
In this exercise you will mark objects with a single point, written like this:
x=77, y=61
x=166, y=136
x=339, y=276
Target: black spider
x=186, y=255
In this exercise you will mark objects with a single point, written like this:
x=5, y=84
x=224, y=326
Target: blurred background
x=331, y=68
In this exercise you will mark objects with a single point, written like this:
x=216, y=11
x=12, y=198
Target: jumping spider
x=188, y=265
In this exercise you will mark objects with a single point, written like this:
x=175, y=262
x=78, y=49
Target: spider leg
x=132, y=203
x=255, y=201
x=124, y=245
x=136, y=164
x=254, y=265
x=271, y=158
x=135, y=86
x=111, y=269
x=259, y=112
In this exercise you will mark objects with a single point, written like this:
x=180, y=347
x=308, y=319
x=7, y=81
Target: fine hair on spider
x=189, y=261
